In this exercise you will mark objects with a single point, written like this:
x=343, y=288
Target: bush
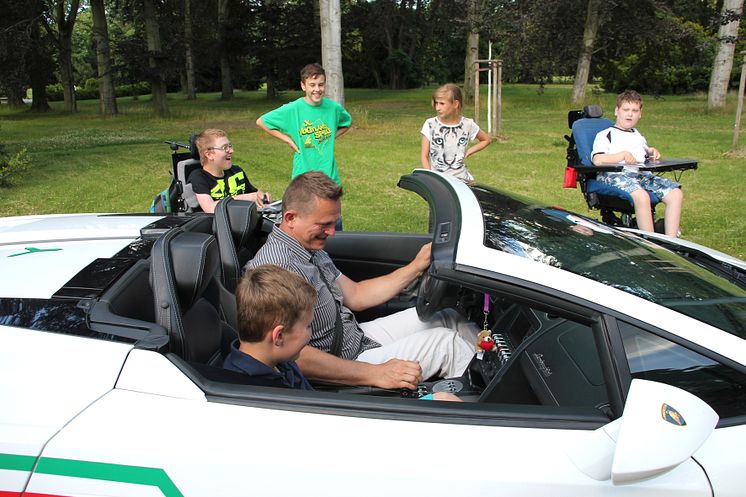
x=141, y=88
x=12, y=167
x=89, y=90
x=54, y=92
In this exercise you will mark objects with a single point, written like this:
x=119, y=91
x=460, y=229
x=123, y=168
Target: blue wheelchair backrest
x=584, y=131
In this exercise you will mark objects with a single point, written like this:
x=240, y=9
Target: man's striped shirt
x=285, y=251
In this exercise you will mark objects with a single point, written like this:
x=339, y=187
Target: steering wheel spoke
x=430, y=295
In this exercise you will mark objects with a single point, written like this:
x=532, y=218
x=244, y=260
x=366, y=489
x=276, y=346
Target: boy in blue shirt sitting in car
x=275, y=309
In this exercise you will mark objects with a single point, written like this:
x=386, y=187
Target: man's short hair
x=205, y=140
x=311, y=71
x=629, y=96
x=304, y=189
x=268, y=296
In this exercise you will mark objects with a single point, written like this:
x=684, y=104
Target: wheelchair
x=179, y=196
x=615, y=205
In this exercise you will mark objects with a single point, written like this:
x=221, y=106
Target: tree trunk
x=15, y=97
x=155, y=55
x=191, y=92
x=67, y=74
x=38, y=69
x=62, y=34
x=226, y=80
x=331, y=49
x=592, y=23
x=472, y=50
x=107, y=94
x=271, y=85
x=723, y=63
x=39, y=102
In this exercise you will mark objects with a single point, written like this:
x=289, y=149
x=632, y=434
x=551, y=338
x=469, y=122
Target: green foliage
x=12, y=166
x=668, y=55
x=538, y=39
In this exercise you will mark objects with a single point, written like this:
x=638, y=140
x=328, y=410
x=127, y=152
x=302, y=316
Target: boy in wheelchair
x=622, y=143
x=219, y=177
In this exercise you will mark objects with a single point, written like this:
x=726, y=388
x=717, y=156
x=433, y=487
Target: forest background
x=131, y=72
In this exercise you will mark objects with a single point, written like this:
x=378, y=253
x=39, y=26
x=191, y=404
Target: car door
x=131, y=443
x=167, y=430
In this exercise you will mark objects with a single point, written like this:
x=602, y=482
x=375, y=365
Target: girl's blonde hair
x=450, y=91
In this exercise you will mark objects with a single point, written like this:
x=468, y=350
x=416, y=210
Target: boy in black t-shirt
x=218, y=177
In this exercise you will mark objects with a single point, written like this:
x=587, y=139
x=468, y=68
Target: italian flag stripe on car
x=119, y=473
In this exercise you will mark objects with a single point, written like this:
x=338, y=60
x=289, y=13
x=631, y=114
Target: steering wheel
x=429, y=295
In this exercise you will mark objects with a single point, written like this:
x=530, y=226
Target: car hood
x=39, y=254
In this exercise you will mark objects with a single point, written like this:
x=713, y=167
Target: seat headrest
x=193, y=146
x=195, y=258
x=243, y=218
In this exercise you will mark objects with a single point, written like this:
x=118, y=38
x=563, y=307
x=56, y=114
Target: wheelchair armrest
x=190, y=198
x=613, y=168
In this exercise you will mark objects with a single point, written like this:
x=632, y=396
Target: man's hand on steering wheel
x=422, y=260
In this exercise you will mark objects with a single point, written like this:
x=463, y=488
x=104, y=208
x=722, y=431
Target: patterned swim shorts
x=630, y=181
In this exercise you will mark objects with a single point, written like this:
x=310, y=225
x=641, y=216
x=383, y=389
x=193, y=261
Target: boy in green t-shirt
x=309, y=125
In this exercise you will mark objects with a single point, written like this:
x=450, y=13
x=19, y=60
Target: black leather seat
x=235, y=226
x=183, y=272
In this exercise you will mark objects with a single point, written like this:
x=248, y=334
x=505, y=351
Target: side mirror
x=661, y=427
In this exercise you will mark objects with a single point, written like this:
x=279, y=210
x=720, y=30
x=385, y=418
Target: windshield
x=583, y=246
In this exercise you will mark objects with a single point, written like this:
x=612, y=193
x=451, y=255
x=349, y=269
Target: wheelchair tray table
x=658, y=166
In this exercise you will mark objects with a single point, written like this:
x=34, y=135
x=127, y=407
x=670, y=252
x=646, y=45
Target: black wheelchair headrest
x=193, y=146
x=195, y=259
x=593, y=111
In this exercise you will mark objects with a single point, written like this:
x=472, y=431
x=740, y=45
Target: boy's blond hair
x=450, y=91
x=629, y=96
x=205, y=140
x=268, y=296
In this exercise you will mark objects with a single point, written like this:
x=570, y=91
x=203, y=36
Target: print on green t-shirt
x=313, y=128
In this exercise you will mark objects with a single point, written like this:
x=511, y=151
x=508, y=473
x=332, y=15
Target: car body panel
x=150, y=372
x=66, y=374
x=722, y=457
x=58, y=247
x=48, y=380
x=275, y=451
x=58, y=261
x=51, y=227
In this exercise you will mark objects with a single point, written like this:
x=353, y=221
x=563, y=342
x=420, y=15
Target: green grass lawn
x=85, y=163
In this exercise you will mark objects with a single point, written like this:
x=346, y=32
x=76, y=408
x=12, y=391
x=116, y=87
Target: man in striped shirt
x=396, y=351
